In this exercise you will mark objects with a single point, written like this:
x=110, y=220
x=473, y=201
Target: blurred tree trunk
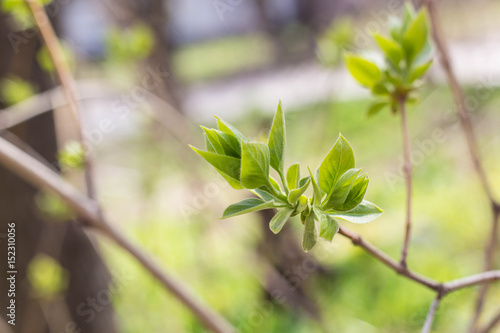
x=67, y=243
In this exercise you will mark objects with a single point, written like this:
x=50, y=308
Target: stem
x=431, y=314
x=38, y=175
x=65, y=79
x=407, y=171
x=490, y=325
x=283, y=180
x=464, y=116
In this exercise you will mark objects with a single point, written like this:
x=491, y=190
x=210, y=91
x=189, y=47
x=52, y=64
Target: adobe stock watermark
x=92, y=306
x=423, y=148
x=19, y=38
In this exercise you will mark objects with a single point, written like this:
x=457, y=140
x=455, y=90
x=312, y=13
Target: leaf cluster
x=338, y=188
x=406, y=52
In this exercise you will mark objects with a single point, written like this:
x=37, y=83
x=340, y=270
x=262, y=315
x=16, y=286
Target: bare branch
x=42, y=177
x=407, y=170
x=471, y=280
x=388, y=261
x=431, y=314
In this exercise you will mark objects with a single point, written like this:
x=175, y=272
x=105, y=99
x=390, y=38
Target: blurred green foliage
x=14, y=90
x=131, y=44
x=47, y=278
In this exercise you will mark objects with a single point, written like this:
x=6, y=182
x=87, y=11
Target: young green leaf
x=357, y=192
x=279, y=220
x=391, y=49
x=328, y=227
x=226, y=127
x=229, y=144
x=295, y=194
x=338, y=196
x=275, y=184
x=419, y=71
x=336, y=163
x=266, y=196
x=277, y=140
x=310, y=233
x=293, y=176
x=376, y=108
x=227, y=165
x=318, y=194
x=364, y=71
x=212, y=138
x=365, y=212
x=254, y=165
x=415, y=36
x=247, y=206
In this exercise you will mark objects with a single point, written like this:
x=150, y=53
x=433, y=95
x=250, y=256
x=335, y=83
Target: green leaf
x=226, y=165
x=226, y=127
x=279, y=220
x=376, y=108
x=310, y=233
x=223, y=143
x=364, y=71
x=292, y=176
x=318, y=194
x=419, y=71
x=415, y=36
x=277, y=140
x=336, y=163
x=295, y=194
x=341, y=190
x=266, y=196
x=357, y=192
x=275, y=184
x=365, y=212
x=380, y=89
x=328, y=227
x=208, y=145
x=391, y=49
x=254, y=165
x=247, y=206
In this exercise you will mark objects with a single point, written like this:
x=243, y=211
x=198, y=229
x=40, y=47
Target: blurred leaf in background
x=47, y=277
x=14, y=90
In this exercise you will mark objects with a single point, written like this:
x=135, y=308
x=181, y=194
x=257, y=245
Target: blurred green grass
x=217, y=258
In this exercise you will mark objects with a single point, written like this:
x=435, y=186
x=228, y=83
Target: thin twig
x=407, y=171
x=431, y=314
x=65, y=78
x=388, y=261
x=472, y=280
x=42, y=177
x=464, y=115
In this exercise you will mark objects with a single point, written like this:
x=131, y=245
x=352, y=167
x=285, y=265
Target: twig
x=472, y=280
x=464, y=116
x=407, y=170
x=431, y=314
x=65, y=78
x=388, y=261
x=42, y=177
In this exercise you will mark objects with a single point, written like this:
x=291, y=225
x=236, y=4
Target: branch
x=431, y=314
x=463, y=112
x=407, y=170
x=388, y=261
x=43, y=178
x=471, y=280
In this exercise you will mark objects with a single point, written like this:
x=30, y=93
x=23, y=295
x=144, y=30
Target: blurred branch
x=431, y=314
x=464, y=115
x=42, y=177
x=63, y=73
x=407, y=170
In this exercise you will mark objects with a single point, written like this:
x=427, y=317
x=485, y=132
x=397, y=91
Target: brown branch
x=464, y=116
x=431, y=314
x=63, y=72
x=407, y=171
x=388, y=261
x=42, y=177
x=472, y=280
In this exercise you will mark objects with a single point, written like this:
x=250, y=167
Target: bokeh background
x=149, y=72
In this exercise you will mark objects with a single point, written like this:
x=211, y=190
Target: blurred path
x=475, y=62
